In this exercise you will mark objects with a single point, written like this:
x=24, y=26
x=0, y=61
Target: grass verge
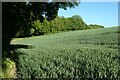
x=8, y=68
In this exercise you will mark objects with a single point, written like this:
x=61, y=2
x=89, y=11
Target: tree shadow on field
x=14, y=47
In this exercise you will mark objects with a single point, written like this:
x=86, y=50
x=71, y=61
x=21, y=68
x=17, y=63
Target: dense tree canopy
x=57, y=25
x=18, y=16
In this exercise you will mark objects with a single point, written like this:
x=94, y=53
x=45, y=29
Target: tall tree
x=18, y=16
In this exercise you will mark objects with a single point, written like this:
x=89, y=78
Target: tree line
x=54, y=26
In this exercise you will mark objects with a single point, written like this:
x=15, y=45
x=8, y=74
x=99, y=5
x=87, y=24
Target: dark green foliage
x=77, y=17
x=18, y=16
x=94, y=26
x=57, y=25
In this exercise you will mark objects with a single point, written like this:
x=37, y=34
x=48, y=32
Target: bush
x=94, y=26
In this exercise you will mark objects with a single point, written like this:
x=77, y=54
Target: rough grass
x=83, y=54
x=8, y=68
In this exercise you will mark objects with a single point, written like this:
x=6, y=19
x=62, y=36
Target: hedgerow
x=57, y=25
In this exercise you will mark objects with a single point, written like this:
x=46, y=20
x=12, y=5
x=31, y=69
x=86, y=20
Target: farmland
x=74, y=54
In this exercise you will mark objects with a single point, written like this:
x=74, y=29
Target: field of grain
x=74, y=54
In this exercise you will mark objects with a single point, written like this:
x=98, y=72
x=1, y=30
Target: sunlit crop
x=74, y=54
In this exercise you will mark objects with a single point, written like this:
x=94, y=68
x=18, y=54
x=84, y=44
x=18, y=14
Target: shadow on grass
x=13, y=50
x=14, y=47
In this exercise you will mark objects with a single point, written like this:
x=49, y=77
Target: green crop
x=74, y=54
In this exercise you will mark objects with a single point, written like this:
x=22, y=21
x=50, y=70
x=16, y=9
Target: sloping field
x=83, y=54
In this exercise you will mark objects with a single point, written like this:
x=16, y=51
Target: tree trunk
x=5, y=45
